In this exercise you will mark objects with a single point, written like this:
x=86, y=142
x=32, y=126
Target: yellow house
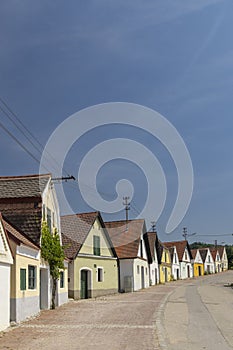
x=25, y=283
x=92, y=269
x=165, y=267
x=198, y=265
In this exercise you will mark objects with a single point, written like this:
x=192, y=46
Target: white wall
x=4, y=296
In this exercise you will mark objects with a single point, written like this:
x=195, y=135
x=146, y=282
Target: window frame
x=32, y=278
x=100, y=274
x=62, y=279
x=96, y=245
x=23, y=279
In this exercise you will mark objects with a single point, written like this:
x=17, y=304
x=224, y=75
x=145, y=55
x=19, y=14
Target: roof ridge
x=21, y=177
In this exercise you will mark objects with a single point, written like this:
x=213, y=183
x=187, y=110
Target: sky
x=174, y=57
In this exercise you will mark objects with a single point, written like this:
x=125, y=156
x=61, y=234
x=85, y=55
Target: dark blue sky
x=175, y=57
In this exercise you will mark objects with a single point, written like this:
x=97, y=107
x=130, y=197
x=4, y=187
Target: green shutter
x=22, y=279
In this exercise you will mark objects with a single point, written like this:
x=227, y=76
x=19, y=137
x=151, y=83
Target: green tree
x=53, y=253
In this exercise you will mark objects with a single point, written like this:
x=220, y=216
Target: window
x=22, y=279
x=141, y=247
x=31, y=277
x=49, y=219
x=96, y=245
x=62, y=282
x=138, y=270
x=175, y=258
x=100, y=274
x=186, y=256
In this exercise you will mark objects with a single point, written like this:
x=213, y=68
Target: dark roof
x=23, y=186
x=213, y=252
x=28, y=223
x=171, y=250
x=221, y=250
x=160, y=248
x=180, y=247
x=203, y=252
x=150, y=242
x=17, y=236
x=75, y=229
x=126, y=239
x=194, y=253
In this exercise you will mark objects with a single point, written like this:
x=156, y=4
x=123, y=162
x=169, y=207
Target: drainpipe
x=119, y=276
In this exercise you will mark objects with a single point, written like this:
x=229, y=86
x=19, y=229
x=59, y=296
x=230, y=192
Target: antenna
x=153, y=226
x=185, y=233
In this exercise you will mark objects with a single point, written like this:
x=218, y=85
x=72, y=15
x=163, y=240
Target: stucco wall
x=138, y=276
x=24, y=307
x=110, y=276
x=4, y=296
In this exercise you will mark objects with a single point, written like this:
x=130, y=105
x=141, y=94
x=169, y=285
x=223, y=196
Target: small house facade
x=26, y=201
x=150, y=239
x=6, y=261
x=217, y=260
x=165, y=266
x=223, y=257
x=93, y=267
x=209, y=265
x=175, y=263
x=185, y=257
x=129, y=244
x=198, y=265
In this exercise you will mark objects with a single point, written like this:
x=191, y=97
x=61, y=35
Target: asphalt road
x=193, y=314
x=199, y=315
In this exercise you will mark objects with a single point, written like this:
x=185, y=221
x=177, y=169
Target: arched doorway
x=85, y=284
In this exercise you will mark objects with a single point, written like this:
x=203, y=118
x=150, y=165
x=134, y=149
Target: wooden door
x=84, y=284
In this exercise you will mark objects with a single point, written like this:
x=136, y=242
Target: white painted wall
x=4, y=296
x=137, y=266
x=126, y=270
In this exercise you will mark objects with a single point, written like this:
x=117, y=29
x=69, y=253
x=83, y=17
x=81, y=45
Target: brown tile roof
x=150, y=242
x=126, y=241
x=180, y=247
x=203, y=252
x=75, y=229
x=17, y=236
x=194, y=253
x=213, y=252
x=160, y=248
x=221, y=250
x=23, y=186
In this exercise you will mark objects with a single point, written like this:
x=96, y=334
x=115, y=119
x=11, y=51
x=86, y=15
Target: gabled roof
x=194, y=253
x=221, y=250
x=75, y=229
x=126, y=238
x=180, y=247
x=160, y=247
x=28, y=223
x=150, y=242
x=17, y=236
x=23, y=186
x=171, y=250
x=213, y=252
x=203, y=252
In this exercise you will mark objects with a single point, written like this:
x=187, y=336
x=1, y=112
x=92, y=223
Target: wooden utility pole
x=153, y=226
x=185, y=233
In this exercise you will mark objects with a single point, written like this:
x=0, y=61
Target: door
x=188, y=271
x=177, y=274
x=84, y=284
x=165, y=273
x=156, y=276
x=199, y=270
x=142, y=277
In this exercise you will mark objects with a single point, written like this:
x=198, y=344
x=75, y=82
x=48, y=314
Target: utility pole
x=127, y=208
x=216, y=243
x=153, y=226
x=185, y=233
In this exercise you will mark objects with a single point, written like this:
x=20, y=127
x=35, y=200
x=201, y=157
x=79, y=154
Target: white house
x=209, y=265
x=217, y=260
x=6, y=261
x=184, y=256
x=223, y=257
x=175, y=263
x=150, y=241
x=129, y=244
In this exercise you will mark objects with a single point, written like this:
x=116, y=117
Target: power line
x=9, y=113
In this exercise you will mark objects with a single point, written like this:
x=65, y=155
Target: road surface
x=192, y=314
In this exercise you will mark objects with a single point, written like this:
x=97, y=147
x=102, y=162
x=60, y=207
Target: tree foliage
x=53, y=253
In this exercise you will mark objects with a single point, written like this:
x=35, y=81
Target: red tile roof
x=150, y=242
x=126, y=239
x=75, y=229
x=180, y=247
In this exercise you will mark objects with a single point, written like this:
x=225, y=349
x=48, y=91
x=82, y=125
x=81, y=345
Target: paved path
x=199, y=315
x=194, y=314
